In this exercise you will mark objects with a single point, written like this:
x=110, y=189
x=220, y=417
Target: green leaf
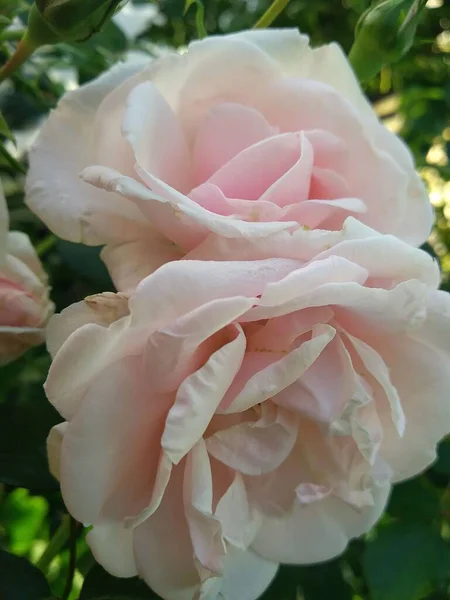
x=5, y=130
x=199, y=18
x=442, y=465
x=20, y=580
x=85, y=261
x=100, y=585
x=415, y=500
x=405, y=561
x=22, y=515
x=309, y=583
x=24, y=427
x=4, y=22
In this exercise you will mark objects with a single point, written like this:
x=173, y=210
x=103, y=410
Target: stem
x=85, y=563
x=46, y=244
x=55, y=545
x=73, y=558
x=23, y=51
x=275, y=9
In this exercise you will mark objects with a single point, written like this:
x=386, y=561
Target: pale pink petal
x=324, y=389
x=159, y=302
x=330, y=151
x=112, y=547
x=163, y=547
x=115, y=436
x=303, y=282
x=163, y=473
x=54, y=443
x=19, y=245
x=293, y=185
x=173, y=353
x=129, y=263
x=359, y=308
x=301, y=243
x=300, y=104
x=101, y=309
x=236, y=126
x=279, y=333
x=240, y=521
x=378, y=369
x=256, y=447
x=87, y=350
x=313, y=214
x=278, y=375
x=198, y=398
x=420, y=374
x=219, y=70
x=175, y=215
x=328, y=524
x=287, y=46
x=251, y=172
x=246, y=575
x=205, y=529
x=154, y=134
x=69, y=207
x=387, y=258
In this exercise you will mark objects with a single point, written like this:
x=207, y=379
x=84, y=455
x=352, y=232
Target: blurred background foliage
x=407, y=556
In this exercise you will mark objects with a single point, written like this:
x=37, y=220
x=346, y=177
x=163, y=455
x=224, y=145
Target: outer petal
x=318, y=531
x=159, y=302
x=112, y=547
x=54, y=443
x=163, y=547
x=115, y=436
x=420, y=373
x=64, y=147
x=129, y=263
x=100, y=309
x=246, y=576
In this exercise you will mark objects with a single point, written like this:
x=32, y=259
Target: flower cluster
x=277, y=353
x=24, y=302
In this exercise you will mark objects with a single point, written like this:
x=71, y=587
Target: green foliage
x=406, y=561
x=20, y=580
x=99, y=585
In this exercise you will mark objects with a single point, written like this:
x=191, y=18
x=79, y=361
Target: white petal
x=317, y=532
x=198, y=398
x=112, y=547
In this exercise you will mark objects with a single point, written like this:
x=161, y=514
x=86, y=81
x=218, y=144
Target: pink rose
x=24, y=302
x=233, y=415
x=243, y=136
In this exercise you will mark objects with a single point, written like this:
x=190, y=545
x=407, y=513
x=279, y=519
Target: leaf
x=20, y=580
x=4, y=22
x=442, y=465
x=315, y=583
x=24, y=427
x=5, y=130
x=405, y=562
x=100, y=585
x=22, y=515
x=414, y=500
x=199, y=18
x=85, y=261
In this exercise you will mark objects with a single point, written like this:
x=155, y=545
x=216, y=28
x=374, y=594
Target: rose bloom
x=242, y=136
x=232, y=415
x=24, y=302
